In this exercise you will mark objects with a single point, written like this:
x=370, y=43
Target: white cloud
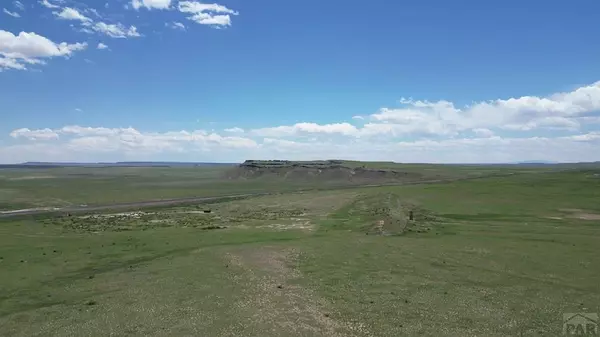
x=13, y=14
x=209, y=19
x=207, y=14
x=8, y=63
x=425, y=119
x=550, y=123
x=19, y=5
x=95, y=131
x=346, y=129
x=299, y=128
x=47, y=4
x=420, y=131
x=69, y=13
x=235, y=130
x=90, y=143
x=29, y=48
x=86, y=30
x=358, y=117
x=558, y=111
x=32, y=45
x=175, y=25
x=42, y=134
x=151, y=4
x=81, y=141
x=93, y=11
x=117, y=30
x=483, y=132
x=592, y=136
x=102, y=46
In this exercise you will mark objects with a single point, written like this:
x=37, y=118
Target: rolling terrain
x=505, y=254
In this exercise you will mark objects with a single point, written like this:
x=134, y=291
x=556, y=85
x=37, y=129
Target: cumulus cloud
x=8, y=63
x=116, y=30
x=133, y=137
x=31, y=48
x=47, y=4
x=13, y=14
x=69, y=13
x=89, y=26
x=151, y=4
x=557, y=111
x=72, y=142
x=79, y=140
x=102, y=46
x=207, y=14
x=562, y=111
x=41, y=134
x=419, y=131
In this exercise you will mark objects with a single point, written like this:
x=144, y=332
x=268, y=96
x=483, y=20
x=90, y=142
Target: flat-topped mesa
x=289, y=163
x=321, y=171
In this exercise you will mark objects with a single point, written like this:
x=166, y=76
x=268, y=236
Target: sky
x=441, y=81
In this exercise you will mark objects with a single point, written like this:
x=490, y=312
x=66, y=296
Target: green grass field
x=68, y=186
x=498, y=256
x=71, y=186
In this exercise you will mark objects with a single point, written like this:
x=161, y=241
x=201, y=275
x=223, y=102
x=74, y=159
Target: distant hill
x=321, y=171
x=537, y=162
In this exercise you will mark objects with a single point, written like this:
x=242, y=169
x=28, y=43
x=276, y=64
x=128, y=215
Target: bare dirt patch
x=31, y=178
x=588, y=216
x=25, y=210
x=277, y=306
x=134, y=215
x=298, y=224
x=581, y=214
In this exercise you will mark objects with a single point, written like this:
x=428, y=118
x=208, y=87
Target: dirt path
x=273, y=305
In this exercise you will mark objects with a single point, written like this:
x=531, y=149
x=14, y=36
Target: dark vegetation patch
x=383, y=214
x=199, y=216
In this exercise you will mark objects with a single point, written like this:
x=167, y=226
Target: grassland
x=71, y=186
x=499, y=256
x=22, y=188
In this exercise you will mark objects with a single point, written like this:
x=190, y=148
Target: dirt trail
x=276, y=306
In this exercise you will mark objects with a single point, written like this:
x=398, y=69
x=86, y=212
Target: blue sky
x=409, y=81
